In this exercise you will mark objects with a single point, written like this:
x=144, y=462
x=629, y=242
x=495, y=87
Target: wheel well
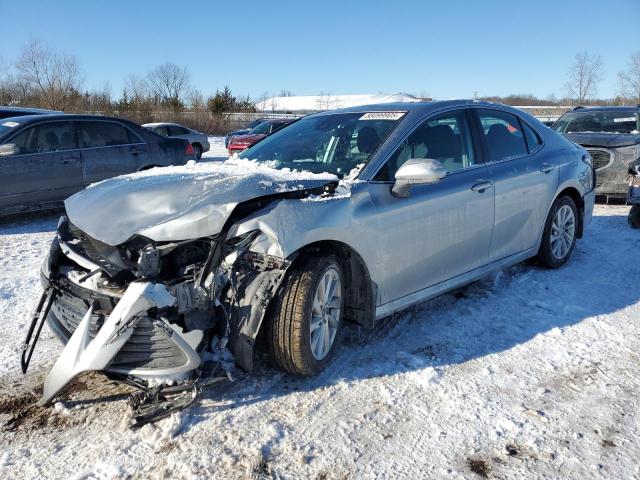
x=147, y=167
x=194, y=144
x=359, y=302
x=574, y=194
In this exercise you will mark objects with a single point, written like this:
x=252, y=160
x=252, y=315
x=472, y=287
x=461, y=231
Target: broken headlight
x=629, y=154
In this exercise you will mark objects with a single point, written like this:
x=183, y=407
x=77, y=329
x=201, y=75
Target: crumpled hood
x=178, y=203
x=603, y=139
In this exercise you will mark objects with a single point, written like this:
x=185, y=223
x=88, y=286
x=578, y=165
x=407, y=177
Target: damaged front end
x=152, y=313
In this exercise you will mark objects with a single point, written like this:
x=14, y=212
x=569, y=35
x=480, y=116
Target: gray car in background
x=351, y=214
x=199, y=141
x=46, y=158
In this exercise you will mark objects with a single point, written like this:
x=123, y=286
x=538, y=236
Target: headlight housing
x=629, y=154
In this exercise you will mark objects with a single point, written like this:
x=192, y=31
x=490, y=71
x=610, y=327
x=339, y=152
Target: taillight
x=189, y=150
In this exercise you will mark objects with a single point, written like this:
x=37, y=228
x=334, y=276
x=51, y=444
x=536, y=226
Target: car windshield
x=609, y=121
x=8, y=124
x=332, y=143
x=263, y=128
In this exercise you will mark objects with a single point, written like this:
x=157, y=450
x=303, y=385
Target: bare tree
x=274, y=103
x=55, y=76
x=170, y=83
x=584, y=76
x=196, y=99
x=136, y=87
x=261, y=101
x=631, y=78
x=324, y=101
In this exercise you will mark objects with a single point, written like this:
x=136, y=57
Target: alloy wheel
x=325, y=313
x=563, y=231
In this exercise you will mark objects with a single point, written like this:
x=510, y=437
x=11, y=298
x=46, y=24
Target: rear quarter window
x=533, y=139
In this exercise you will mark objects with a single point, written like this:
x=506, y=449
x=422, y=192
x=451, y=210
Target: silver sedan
x=199, y=141
x=347, y=215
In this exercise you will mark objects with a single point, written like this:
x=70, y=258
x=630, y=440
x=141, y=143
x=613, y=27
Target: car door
x=525, y=180
x=109, y=149
x=45, y=167
x=442, y=229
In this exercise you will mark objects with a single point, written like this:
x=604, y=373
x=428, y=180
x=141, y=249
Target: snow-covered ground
x=528, y=374
x=217, y=150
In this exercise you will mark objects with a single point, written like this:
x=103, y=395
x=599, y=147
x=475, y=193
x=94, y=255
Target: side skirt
x=428, y=293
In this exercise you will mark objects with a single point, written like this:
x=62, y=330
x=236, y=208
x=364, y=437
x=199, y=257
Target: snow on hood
x=178, y=203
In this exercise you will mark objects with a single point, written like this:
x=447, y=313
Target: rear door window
x=103, y=134
x=46, y=137
x=177, y=131
x=503, y=135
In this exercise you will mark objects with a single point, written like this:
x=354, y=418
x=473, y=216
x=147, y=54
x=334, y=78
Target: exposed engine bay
x=165, y=317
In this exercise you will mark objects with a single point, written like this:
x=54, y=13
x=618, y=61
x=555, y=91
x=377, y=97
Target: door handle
x=482, y=185
x=547, y=167
x=69, y=158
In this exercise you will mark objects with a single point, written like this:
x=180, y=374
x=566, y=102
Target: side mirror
x=417, y=171
x=8, y=149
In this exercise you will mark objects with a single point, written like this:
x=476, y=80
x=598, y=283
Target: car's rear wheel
x=634, y=216
x=306, y=317
x=197, y=151
x=559, y=237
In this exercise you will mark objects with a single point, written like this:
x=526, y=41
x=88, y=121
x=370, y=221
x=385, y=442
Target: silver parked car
x=199, y=141
x=347, y=215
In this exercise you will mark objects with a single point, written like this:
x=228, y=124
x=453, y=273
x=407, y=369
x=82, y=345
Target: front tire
x=559, y=236
x=307, y=315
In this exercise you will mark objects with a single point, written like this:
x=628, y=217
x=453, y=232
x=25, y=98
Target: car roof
x=162, y=124
x=421, y=107
x=35, y=111
x=612, y=108
x=62, y=116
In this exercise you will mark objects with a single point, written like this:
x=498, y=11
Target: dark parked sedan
x=46, y=158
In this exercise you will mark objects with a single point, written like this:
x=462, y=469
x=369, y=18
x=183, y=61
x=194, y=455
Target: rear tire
x=559, y=236
x=197, y=151
x=298, y=322
x=634, y=216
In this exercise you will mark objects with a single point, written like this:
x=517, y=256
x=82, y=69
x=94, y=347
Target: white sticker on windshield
x=625, y=119
x=382, y=116
x=10, y=124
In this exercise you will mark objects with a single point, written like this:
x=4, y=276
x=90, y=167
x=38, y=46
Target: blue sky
x=445, y=49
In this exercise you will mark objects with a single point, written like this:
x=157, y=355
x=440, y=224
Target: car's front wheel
x=559, y=237
x=306, y=317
